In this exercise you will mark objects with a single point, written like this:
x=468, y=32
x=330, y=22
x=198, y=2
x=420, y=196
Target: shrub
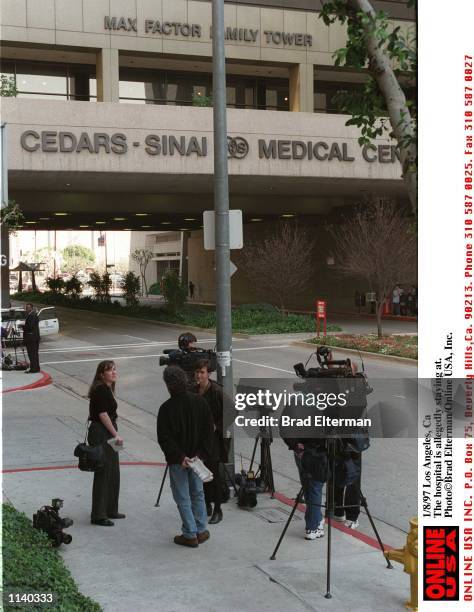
x=73, y=287
x=174, y=292
x=101, y=286
x=31, y=564
x=256, y=308
x=55, y=285
x=130, y=286
x=155, y=289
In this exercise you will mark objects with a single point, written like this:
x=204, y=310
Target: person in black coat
x=103, y=427
x=214, y=396
x=185, y=429
x=31, y=338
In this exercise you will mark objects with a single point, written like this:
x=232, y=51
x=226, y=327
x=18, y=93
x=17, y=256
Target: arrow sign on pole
x=233, y=268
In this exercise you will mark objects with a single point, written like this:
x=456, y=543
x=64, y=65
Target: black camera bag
x=315, y=464
x=91, y=458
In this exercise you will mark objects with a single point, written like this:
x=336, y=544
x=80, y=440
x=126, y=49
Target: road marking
x=262, y=348
x=106, y=347
x=261, y=365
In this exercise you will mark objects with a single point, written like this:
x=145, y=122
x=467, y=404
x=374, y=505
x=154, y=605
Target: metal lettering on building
x=194, y=30
x=52, y=141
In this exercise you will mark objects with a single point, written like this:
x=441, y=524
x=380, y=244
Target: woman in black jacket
x=103, y=427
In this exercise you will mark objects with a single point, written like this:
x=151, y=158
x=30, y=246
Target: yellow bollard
x=408, y=557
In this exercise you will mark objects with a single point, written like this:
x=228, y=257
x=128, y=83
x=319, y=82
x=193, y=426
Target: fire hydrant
x=408, y=557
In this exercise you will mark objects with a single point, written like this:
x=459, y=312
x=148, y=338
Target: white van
x=13, y=320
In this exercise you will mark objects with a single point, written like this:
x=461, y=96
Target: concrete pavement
x=144, y=569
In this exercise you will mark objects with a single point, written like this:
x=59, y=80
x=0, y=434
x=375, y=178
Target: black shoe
x=209, y=509
x=102, y=522
x=117, y=516
x=216, y=517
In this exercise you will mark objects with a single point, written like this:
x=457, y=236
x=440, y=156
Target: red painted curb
x=42, y=382
x=74, y=467
x=352, y=532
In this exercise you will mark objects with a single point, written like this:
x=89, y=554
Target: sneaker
x=351, y=524
x=340, y=519
x=314, y=534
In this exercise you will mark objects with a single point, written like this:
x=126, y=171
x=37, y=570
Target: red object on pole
x=386, y=307
x=321, y=310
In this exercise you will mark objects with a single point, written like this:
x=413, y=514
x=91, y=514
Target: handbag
x=91, y=458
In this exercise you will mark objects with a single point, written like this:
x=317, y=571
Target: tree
x=379, y=245
x=280, y=265
x=55, y=285
x=130, y=286
x=8, y=86
x=174, y=291
x=101, y=286
x=142, y=257
x=11, y=217
x=73, y=287
x=391, y=61
x=77, y=257
x=44, y=256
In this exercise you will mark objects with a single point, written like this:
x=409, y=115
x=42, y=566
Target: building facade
x=111, y=127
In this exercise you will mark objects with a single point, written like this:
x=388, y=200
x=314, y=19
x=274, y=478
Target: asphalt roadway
x=34, y=427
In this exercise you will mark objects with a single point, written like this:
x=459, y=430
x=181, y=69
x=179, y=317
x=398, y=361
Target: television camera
x=47, y=519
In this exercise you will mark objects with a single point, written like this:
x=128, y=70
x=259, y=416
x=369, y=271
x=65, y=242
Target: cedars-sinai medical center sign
x=193, y=146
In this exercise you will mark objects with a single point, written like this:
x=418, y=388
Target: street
x=41, y=427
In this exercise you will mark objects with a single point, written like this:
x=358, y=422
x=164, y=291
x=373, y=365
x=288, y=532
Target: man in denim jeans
x=185, y=430
x=312, y=487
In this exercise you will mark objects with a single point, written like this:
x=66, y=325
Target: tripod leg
x=295, y=505
x=271, y=483
x=161, y=487
x=363, y=502
x=253, y=452
x=330, y=510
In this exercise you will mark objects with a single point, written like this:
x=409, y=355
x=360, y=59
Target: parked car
x=13, y=320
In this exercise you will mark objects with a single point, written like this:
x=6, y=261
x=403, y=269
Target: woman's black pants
x=106, y=487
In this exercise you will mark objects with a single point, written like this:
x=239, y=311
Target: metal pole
x=5, y=237
x=221, y=203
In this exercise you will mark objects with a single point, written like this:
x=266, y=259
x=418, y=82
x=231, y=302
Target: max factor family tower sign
x=194, y=30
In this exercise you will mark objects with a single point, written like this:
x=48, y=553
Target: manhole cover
x=274, y=515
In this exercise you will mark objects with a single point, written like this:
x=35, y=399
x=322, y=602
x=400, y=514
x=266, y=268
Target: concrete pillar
x=5, y=275
x=301, y=88
x=107, y=75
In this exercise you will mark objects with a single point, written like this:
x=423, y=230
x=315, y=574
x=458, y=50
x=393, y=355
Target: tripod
x=266, y=469
x=11, y=334
x=330, y=507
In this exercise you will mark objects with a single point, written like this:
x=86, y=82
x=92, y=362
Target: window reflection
x=52, y=81
x=180, y=88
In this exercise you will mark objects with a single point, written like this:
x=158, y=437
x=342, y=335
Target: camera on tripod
x=47, y=519
x=331, y=368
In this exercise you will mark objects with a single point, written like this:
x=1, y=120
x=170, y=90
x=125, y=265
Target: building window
x=325, y=94
x=179, y=89
x=52, y=81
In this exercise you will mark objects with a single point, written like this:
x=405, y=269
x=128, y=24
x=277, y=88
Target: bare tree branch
x=280, y=265
x=379, y=245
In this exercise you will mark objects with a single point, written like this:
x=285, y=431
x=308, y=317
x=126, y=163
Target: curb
x=366, y=354
x=42, y=382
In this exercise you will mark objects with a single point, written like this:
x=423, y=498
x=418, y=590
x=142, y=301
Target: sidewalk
x=136, y=566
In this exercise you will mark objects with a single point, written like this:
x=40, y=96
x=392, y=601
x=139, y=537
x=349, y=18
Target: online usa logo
x=237, y=147
x=441, y=563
